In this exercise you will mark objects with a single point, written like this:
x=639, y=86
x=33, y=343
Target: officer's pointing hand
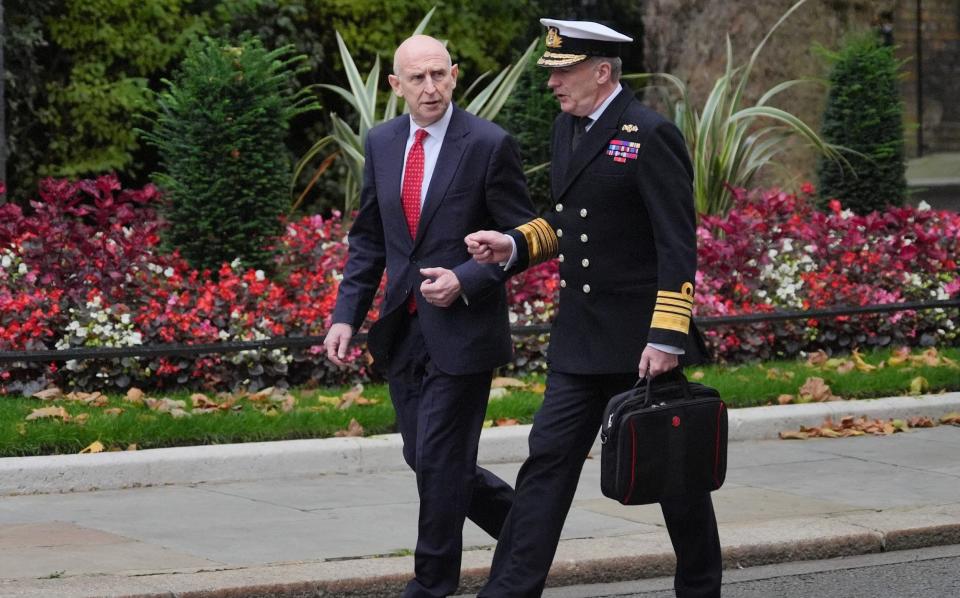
x=489, y=246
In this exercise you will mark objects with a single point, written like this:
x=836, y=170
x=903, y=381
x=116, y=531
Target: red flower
x=808, y=188
x=835, y=206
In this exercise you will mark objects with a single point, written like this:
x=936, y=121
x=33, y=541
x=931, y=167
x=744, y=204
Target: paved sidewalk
x=349, y=533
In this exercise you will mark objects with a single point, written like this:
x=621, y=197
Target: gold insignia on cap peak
x=553, y=38
x=631, y=128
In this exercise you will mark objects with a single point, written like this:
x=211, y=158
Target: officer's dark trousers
x=440, y=417
x=563, y=431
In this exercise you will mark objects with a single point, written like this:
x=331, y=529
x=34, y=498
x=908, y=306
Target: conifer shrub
x=220, y=130
x=864, y=113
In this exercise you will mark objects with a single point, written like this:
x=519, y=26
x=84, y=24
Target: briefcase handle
x=675, y=375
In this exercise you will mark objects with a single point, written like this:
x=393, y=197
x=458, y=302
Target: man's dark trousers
x=440, y=417
x=563, y=431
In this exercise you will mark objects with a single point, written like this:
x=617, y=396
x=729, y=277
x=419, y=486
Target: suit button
x=583, y=213
x=585, y=262
x=583, y=238
x=559, y=232
x=559, y=207
x=563, y=283
x=586, y=288
x=560, y=258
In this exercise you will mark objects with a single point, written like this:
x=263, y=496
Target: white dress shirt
x=431, y=148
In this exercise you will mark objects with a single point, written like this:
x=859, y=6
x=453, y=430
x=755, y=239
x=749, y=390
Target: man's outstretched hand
x=489, y=246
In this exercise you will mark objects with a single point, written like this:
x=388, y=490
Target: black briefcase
x=661, y=439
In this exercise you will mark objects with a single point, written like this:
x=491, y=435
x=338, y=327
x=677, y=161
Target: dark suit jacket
x=626, y=239
x=478, y=183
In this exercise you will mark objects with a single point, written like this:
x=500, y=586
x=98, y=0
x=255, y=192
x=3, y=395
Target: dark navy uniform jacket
x=624, y=230
x=477, y=183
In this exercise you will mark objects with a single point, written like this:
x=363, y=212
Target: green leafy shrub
x=864, y=113
x=220, y=130
x=106, y=53
x=528, y=115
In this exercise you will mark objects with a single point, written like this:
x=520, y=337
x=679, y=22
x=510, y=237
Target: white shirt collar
x=595, y=115
x=436, y=130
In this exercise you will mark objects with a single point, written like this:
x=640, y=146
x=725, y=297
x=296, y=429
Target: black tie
x=579, y=128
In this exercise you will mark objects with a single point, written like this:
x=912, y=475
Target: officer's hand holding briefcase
x=663, y=438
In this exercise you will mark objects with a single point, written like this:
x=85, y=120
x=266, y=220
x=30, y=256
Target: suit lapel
x=389, y=184
x=593, y=140
x=447, y=163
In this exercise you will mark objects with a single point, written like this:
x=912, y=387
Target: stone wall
x=687, y=38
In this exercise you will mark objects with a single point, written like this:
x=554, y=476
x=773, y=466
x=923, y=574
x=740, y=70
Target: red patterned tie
x=412, y=182
x=410, y=194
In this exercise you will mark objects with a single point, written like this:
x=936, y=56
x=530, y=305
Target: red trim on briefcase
x=646, y=457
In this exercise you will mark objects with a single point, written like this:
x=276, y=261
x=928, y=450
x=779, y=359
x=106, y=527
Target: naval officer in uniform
x=624, y=232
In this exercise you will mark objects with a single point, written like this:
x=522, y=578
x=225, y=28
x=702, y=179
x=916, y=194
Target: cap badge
x=553, y=38
x=630, y=128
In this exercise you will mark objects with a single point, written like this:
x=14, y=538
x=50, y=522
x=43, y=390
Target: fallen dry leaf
x=165, y=405
x=202, y=401
x=794, y=435
x=697, y=375
x=501, y=382
x=95, y=447
x=113, y=411
x=815, y=389
x=507, y=421
x=488, y=423
x=46, y=412
x=919, y=385
x=132, y=447
x=328, y=400
x=288, y=402
x=846, y=367
x=353, y=429
x=860, y=362
x=785, y=399
x=348, y=398
x=81, y=418
x=135, y=396
x=817, y=358
x=539, y=388
x=49, y=394
x=952, y=418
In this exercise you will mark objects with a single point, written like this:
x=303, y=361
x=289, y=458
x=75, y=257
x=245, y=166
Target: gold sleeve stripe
x=677, y=296
x=670, y=322
x=675, y=303
x=541, y=240
x=674, y=310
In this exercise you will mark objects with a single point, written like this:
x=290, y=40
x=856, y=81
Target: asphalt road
x=923, y=573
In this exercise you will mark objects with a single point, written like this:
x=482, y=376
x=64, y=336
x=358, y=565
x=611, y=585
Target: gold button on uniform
x=583, y=238
x=586, y=288
x=585, y=262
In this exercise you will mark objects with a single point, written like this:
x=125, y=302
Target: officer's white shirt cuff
x=667, y=348
x=513, y=254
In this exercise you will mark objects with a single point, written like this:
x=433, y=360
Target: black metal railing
x=174, y=349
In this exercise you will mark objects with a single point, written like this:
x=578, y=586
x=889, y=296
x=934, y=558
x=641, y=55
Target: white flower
x=235, y=263
x=125, y=319
x=923, y=206
x=259, y=275
x=168, y=272
x=6, y=261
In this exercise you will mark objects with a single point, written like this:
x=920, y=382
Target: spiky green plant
x=348, y=143
x=730, y=142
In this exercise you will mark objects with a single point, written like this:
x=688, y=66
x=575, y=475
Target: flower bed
x=85, y=269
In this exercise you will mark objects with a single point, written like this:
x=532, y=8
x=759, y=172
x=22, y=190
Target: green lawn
x=316, y=414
